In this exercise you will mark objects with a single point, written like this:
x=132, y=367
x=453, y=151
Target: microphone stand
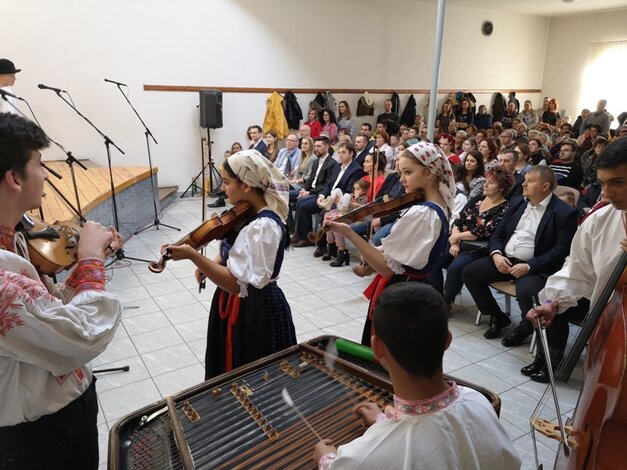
x=156, y=222
x=119, y=254
x=70, y=161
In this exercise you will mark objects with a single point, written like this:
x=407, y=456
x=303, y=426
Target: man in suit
x=343, y=178
x=306, y=202
x=529, y=245
x=256, y=142
x=508, y=160
x=363, y=144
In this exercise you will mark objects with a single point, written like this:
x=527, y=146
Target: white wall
x=74, y=44
x=568, y=53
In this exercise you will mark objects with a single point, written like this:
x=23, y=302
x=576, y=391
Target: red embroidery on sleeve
x=89, y=274
x=17, y=290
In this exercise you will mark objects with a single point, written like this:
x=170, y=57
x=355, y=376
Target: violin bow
x=204, y=141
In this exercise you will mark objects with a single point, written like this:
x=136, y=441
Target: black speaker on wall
x=210, y=109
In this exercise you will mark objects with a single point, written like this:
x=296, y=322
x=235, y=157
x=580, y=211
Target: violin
x=213, y=229
x=366, y=213
x=52, y=248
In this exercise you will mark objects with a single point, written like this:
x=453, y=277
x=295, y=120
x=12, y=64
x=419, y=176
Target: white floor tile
x=123, y=400
x=169, y=359
x=180, y=379
x=156, y=339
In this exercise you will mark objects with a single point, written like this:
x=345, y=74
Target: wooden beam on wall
x=382, y=91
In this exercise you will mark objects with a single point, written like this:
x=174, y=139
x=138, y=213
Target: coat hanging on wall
x=317, y=103
x=293, y=113
x=409, y=113
x=365, y=105
x=275, y=118
x=329, y=102
x=396, y=103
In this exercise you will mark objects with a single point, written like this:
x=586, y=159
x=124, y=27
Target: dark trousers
x=305, y=208
x=480, y=273
x=454, y=267
x=65, y=440
x=557, y=332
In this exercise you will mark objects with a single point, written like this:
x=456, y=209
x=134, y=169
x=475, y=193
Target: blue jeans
x=381, y=234
x=454, y=282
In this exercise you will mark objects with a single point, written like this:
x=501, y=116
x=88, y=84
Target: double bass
x=595, y=437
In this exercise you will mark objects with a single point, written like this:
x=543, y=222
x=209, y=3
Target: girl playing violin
x=417, y=241
x=250, y=317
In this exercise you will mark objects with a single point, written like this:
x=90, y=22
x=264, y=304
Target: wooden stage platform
x=132, y=189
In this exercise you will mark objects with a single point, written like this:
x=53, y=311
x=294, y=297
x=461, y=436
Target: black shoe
x=496, y=326
x=320, y=251
x=514, y=338
x=220, y=202
x=542, y=376
x=331, y=252
x=534, y=367
x=342, y=258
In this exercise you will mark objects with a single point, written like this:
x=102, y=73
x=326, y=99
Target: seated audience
x=551, y=115
x=336, y=243
x=528, y=115
x=329, y=125
x=529, y=244
x=256, y=142
x=510, y=114
x=568, y=172
x=288, y=157
x=433, y=423
x=464, y=116
x=445, y=117
x=509, y=159
x=472, y=175
x=272, y=146
x=489, y=150
x=538, y=155
x=313, y=121
x=476, y=222
x=345, y=119
x=483, y=120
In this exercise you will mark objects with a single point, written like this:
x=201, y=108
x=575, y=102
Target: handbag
x=479, y=247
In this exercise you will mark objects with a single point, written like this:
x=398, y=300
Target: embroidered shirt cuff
x=326, y=460
x=89, y=274
x=381, y=417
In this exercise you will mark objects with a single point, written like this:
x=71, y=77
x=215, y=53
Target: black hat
x=6, y=67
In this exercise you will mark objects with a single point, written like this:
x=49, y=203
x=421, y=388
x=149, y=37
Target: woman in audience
x=250, y=317
x=314, y=124
x=418, y=239
x=476, y=222
x=445, y=117
x=489, y=150
x=528, y=115
x=551, y=115
x=447, y=142
x=468, y=146
x=472, y=174
x=482, y=119
x=302, y=172
x=345, y=120
x=460, y=136
x=537, y=155
x=522, y=165
x=236, y=147
x=464, y=116
x=382, y=144
x=329, y=125
x=272, y=146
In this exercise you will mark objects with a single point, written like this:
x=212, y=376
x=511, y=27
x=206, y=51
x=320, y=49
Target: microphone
x=46, y=87
x=117, y=83
x=5, y=93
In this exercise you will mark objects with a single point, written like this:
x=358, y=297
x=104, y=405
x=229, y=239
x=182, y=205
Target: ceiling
x=544, y=7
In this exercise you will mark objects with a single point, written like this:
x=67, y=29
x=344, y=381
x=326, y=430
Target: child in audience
x=433, y=423
x=250, y=317
x=418, y=239
x=336, y=243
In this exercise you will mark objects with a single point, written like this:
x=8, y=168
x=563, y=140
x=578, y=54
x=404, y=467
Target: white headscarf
x=257, y=171
x=437, y=163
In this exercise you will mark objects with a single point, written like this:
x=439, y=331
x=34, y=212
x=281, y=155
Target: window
x=604, y=78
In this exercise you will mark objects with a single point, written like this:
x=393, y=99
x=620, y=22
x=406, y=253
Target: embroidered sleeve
x=326, y=460
x=253, y=255
x=89, y=274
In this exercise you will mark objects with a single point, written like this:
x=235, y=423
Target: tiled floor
x=163, y=331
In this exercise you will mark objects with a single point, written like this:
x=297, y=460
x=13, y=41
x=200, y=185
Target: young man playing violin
x=48, y=405
x=595, y=251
